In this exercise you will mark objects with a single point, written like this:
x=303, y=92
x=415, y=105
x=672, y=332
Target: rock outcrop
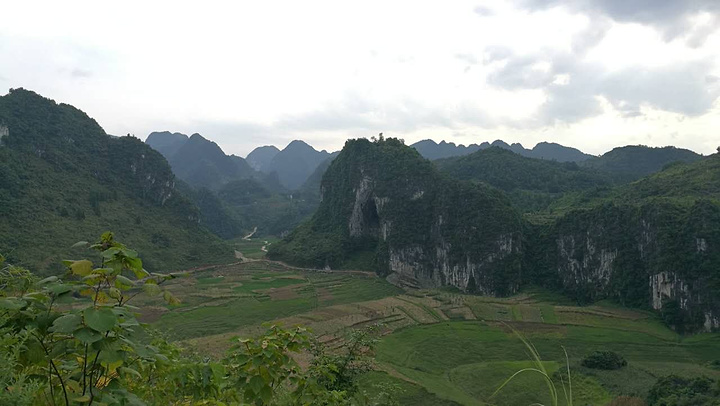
x=387, y=209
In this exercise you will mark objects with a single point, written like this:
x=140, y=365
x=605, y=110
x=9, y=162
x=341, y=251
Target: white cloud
x=254, y=73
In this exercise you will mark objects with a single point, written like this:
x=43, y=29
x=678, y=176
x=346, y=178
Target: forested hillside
x=544, y=150
x=63, y=179
x=652, y=244
x=636, y=161
x=385, y=208
x=531, y=184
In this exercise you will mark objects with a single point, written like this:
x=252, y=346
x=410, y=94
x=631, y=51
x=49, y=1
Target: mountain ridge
x=63, y=179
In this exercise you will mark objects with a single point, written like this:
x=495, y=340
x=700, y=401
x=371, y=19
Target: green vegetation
x=63, y=178
x=633, y=162
x=75, y=340
x=604, y=360
x=385, y=185
x=532, y=184
x=676, y=391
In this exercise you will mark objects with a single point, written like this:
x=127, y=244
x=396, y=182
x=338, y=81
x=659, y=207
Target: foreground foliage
x=76, y=340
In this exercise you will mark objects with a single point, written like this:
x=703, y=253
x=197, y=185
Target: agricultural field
x=437, y=347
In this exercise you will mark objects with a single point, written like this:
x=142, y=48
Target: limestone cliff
x=660, y=255
x=387, y=209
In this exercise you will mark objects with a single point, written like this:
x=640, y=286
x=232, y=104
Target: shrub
x=673, y=390
x=604, y=360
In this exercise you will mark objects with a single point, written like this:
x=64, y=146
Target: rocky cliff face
x=383, y=201
x=660, y=255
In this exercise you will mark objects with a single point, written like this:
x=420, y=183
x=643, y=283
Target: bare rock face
x=4, y=132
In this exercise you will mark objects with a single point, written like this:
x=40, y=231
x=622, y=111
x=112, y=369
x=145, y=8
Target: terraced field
x=438, y=347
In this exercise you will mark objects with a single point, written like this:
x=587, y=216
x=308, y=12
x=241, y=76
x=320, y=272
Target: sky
x=591, y=74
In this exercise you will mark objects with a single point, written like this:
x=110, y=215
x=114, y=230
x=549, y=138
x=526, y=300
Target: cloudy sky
x=592, y=74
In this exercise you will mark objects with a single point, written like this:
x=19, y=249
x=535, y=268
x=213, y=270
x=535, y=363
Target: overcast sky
x=591, y=74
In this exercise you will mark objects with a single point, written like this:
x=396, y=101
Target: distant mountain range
x=199, y=161
x=202, y=163
x=544, y=150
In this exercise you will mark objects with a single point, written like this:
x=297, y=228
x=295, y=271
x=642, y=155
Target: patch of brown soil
x=151, y=314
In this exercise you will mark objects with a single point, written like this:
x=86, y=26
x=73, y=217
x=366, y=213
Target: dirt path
x=247, y=237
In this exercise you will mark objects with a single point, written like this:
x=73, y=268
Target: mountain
x=234, y=198
x=198, y=161
x=532, y=184
x=166, y=143
x=201, y=163
x=63, y=179
x=386, y=208
x=260, y=158
x=296, y=163
x=544, y=150
x=652, y=243
x=636, y=161
x=432, y=150
x=556, y=152
x=311, y=187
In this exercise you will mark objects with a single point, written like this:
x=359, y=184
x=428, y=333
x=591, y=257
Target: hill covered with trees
x=654, y=243
x=530, y=183
x=62, y=178
x=386, y=208
x=633, y=162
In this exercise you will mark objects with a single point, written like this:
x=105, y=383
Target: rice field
x=437, y=347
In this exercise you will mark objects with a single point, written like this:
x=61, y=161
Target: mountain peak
x=298, y=145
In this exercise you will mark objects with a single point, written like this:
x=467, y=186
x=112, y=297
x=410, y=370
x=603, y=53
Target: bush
x=604, y=360
x=673, y=390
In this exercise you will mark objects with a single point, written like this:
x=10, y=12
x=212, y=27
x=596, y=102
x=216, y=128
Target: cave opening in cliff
x=371, y=218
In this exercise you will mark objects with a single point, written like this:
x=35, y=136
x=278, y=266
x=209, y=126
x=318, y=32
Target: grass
x=249, y=287
x=232, y=298
x=425, y=359
x=402, y=391
x=252, y=248
x=476, y=357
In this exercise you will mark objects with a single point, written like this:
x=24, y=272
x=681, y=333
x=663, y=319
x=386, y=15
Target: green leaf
x=66, y=324
x=59, y=289
x=114, y=293
x=256, y=383
x=80, y=244
x=82, y=399
x=141, y=273
x=170, y=299
x=87, y=335
x=152, y=289
x=48, y=280
x=266, y=394
x=82, y=267
x=123, y=283
x=130, y=371
x=133, y=263
x=102, y=319
x=12, y=303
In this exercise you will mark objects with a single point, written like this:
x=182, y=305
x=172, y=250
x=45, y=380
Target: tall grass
x=539, y=368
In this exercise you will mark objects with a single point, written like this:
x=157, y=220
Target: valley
x=425, y=274
x=437, y=346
